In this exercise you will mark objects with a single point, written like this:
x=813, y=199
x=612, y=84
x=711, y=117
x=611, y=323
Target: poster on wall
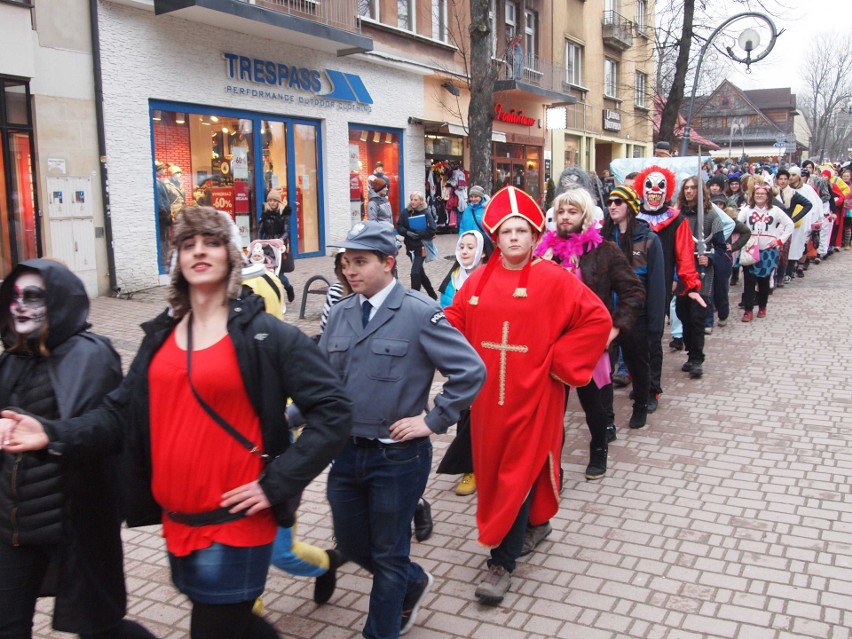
x=354, y=163
x=242, y=222
x=241, y=198
x=222, y=199
x=239, y=163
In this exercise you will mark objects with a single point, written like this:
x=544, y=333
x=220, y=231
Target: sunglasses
x=616, y=200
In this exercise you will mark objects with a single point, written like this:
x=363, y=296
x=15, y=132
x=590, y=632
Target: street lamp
x=748, y=41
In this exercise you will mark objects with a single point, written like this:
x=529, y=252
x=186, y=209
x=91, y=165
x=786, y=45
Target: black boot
x=611, y=434
x=597, y=463
x=640, y=416
x=422, y=520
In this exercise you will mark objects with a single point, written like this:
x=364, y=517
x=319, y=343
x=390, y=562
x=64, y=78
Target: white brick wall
x=146, y=57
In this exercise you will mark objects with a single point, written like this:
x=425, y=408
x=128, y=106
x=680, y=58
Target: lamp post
x=748, y=41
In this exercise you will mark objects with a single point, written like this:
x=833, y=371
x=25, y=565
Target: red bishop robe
x=531, y=347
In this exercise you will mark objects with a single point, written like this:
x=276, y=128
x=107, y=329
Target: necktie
x=366, y=307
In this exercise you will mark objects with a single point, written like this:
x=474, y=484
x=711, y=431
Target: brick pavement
x=728, y=516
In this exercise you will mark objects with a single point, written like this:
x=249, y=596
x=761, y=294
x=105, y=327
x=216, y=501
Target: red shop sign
x=222, y=199
x=512, y=117
x=241, y=198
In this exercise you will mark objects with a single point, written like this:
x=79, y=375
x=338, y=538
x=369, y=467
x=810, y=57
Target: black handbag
x=288, y=264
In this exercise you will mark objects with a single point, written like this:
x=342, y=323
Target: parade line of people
x=227, y=413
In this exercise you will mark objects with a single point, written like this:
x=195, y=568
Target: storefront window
x=373, y=151
x=439, y=147
x=19, y=235
x=210, y=159
x=517, y=165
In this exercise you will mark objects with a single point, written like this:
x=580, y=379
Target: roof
x=772, y=98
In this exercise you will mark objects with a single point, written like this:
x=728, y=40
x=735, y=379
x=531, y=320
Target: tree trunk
x=480, y=112
x=668, y=119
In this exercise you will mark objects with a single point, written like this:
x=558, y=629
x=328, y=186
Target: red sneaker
x=748, y=316
x=761, y=312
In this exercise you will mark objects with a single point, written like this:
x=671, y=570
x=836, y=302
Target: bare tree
x=828, y=90
x=482, y=76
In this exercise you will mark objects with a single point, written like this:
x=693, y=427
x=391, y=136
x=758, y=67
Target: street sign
x=779, y=145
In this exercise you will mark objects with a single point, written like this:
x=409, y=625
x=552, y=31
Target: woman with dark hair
x=201, y=417
x=60, y=525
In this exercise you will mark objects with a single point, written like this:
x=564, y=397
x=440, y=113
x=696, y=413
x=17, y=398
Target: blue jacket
x=471, y=218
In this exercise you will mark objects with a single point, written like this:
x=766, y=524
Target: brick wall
x=171, y=145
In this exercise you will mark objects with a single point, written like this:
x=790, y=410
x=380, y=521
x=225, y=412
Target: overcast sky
x=805, y=24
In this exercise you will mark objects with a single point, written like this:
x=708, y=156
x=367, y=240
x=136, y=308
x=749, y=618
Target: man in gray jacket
x=386, y=343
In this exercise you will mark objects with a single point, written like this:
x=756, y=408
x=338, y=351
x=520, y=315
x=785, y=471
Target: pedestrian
x=458, y=459
x=693, y=312
x=60, y=519
x=378, y=205
x=201, y=416
x=643, y=251
x=773, y=228
x=275, y=225
x=416, y=225
x=537, y=328
x=577, y=245
x=471, y=218
x=386, y=343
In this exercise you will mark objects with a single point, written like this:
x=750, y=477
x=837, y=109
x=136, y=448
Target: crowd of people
x=536, y=303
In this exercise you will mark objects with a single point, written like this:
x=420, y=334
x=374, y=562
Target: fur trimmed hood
x=204, y=220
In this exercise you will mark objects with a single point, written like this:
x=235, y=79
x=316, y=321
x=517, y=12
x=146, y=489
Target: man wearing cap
x=386, y=343
x=536, y=327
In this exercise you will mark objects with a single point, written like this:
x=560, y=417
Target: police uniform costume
x=388, y=366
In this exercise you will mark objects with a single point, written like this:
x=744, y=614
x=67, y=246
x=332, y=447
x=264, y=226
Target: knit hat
x=377, y=183
x=627, y=194
x=204, y=220
x=717, y=179
x=274, y=195
x=160, y=166
x=174, y=168
x=476, y=190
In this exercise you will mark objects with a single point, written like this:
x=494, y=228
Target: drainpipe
x=99, y=115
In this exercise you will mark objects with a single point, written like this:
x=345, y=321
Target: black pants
x=655, y=363
x=229, y=621
x=721, y=286
x=418, y=273
x=751, y=281
x=507, y=553
x=637, y=357
x=593, y=401
x=692, y=315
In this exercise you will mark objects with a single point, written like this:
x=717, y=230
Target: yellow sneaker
x=466, y=485
x=257, y=608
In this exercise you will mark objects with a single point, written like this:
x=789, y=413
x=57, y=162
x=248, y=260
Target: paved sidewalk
x=729, y=515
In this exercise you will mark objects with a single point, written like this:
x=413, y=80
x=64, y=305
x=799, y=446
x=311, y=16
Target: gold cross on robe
x=504, y=347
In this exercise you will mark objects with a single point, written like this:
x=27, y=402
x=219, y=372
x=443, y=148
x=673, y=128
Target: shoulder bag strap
x=233, y=432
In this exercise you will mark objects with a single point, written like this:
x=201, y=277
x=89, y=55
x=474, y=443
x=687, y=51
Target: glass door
x=307, y=195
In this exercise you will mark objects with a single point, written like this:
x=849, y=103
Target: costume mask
x=28, y=307
x=655, y=185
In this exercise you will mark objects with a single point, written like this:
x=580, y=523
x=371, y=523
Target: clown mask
x=655, y=191
x=28, y=307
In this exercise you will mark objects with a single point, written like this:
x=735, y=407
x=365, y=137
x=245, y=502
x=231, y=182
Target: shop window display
x=373, y=152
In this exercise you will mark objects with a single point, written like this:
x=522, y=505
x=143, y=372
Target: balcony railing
x=528, y=69
x=338, y=14
x=617, y=30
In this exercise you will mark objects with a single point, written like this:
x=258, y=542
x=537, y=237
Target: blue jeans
x=373, y=493
x=221, y=574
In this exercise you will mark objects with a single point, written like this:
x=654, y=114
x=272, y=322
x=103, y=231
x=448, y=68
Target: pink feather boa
x=568, y=250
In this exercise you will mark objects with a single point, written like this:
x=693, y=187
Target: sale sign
x=241, y=198
x=222, y=199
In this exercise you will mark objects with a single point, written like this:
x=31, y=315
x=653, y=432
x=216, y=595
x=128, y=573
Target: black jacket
x=87, y=572
x=414, y=238
x=276, y=361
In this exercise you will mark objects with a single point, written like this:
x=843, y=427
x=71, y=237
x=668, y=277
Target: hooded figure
x=58, y=504
x=458, y=274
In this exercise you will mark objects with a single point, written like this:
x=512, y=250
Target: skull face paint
x=28, y=307
x=655, y=191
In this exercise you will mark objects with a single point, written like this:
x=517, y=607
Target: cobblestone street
x=729, y=515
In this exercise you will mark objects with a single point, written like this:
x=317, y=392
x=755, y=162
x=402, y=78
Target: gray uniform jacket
x=388, y=366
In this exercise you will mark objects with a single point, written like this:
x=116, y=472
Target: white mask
x=28, y=307
x=655, y=191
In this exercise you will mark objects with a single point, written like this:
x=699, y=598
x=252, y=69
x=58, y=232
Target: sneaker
x=748, y=316
x=611, y=434
x=466, y=485
x=787, y=279
x=422, y=520
x=761, y=312
x=676, y=344
x=723, y=322
x=653, y=403
x=494, y=585
x=697, y=370
x=326, y=583
x=800, y=273
x=291, y=293
x=533, y=536
x=639, y=417
x=597, y=464
x=708, y=330
x=817, y=260
x=411, y=604
x=687, y=366
x=620, y=380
